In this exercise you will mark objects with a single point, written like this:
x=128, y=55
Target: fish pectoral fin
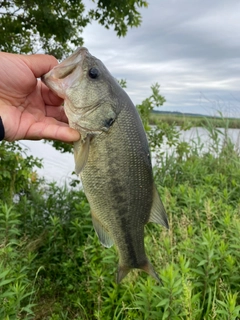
x=158, y=213
x=81, y=151
x=102, y=233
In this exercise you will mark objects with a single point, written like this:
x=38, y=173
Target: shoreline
x=185, y=119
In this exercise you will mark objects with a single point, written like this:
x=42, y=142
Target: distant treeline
x=193, y=119
x=178, y=113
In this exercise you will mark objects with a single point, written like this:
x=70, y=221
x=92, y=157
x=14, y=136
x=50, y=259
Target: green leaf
x=4, y=282
x=164, y=302
x=201, y=263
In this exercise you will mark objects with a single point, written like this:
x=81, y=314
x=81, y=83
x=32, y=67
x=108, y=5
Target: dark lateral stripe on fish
x=129, y=243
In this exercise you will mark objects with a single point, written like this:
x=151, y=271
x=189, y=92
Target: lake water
x=59, y=166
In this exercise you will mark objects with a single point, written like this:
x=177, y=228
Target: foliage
x=55, y=26
x=16, y=288
x=16, y=171
x=121, y=14
x=161, y=132
x=146, y=107
x=195, y=121
x=123, y=83
x=54, y=268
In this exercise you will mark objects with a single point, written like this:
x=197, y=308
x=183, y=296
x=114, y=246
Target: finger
x=49, y=97
x=61, y=132
x=56, y=112
x=39, y=63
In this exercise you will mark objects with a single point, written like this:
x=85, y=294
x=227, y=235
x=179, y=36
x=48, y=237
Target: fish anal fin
x=158, y=213
x=81, y=151
x=102, y=233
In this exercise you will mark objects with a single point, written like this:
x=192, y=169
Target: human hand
x=29, y=110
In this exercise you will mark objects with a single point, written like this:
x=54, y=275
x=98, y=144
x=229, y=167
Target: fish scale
x=127, y=201
x=112, y=157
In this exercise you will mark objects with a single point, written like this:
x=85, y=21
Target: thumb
x=39, y=64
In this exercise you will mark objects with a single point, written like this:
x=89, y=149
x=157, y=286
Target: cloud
x=191, y=48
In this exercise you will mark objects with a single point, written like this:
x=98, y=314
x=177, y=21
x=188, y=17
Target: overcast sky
x=190, y=47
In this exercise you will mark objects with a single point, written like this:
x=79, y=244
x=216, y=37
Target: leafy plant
x=52, y=265
x=55, y=27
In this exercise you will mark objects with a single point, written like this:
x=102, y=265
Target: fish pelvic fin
x=147, y=267
x=158, y=213
x=81, y=151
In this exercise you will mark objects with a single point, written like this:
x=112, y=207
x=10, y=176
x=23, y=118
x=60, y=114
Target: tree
x=55, y=26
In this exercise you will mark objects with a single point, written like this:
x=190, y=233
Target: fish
x=112, y=157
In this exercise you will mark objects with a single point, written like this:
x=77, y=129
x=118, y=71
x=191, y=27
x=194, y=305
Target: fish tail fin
x=122, y=272
x=148, y=268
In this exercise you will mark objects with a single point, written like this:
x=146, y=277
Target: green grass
x=194, y=121
x=52, y=266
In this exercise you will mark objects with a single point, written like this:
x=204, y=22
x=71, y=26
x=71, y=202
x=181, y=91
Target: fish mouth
x=63, y=75
x=66, y=67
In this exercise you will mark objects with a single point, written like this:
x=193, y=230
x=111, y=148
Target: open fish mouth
x=66, y=74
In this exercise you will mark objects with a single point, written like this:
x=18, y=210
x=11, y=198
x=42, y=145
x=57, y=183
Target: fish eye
x=93, y=73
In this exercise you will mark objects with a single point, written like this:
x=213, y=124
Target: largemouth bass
x=112, y=157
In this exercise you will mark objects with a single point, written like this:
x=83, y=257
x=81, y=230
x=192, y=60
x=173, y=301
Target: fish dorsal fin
x=158, y=213
x=102, y=233
x=81, y=151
